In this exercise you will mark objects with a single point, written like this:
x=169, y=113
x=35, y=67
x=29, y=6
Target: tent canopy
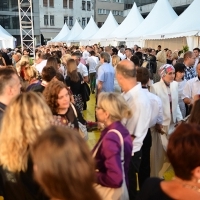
x=130, y=23
x=109, y=26
x=185, y=25
x=64, y=31
x=6, y=39
x=75, y=31
x=161, y=15
x=88, y=31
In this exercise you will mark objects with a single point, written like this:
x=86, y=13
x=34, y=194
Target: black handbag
x=85, y=92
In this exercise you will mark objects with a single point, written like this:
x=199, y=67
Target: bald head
x=127, y=69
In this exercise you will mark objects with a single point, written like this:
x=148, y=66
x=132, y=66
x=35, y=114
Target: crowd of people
x=147, y=110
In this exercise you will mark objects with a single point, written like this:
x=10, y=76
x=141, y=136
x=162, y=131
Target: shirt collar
x=134, y=90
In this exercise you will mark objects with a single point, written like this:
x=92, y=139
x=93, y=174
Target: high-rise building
x=54, y=13
x=9, y=18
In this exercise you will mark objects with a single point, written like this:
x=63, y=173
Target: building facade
x=145, y=6
x=103, y=8
x=9, y=19
x=54, y=13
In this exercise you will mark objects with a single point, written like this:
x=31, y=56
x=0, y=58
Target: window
x=45, y=3
x=117, y=12
x=88, y=19
x=51, y=3
x=66, y=19
x=83, y=5
x=83, y=22
x=99, y=24
x=46, y=23
x=71, y=21
x=88, y=5
x=64, y=3
x=51, y=20
x=118, y=1
x=71, y=4
x=103, y=12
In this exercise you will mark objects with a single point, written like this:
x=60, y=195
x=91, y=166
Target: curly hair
x=51, y=92
x=29, y=115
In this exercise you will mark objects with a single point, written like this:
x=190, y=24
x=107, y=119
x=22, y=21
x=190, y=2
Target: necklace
x=193, y=187
x=187, y=185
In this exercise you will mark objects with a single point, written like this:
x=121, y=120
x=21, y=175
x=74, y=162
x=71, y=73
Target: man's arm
x=99, y=86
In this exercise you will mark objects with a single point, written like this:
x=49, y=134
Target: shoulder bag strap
x=121, y=142
x=74, y=109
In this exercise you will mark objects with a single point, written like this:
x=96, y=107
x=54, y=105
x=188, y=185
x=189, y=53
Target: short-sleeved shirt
x=106, y=74
x=82, y=69
x=192, y=87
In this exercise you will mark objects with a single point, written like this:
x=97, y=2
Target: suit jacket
x=160, y=90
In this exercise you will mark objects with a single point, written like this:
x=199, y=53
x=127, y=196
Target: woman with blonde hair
x=74, y=81
x=115, y=61
x=29, y=115
x=161, y=60
x=21, y=64
x=61, y=173
x=111, y=173
x=31, y=75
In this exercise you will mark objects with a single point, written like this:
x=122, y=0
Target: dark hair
x=159, y=46
x=143, y=75
x=52, y=61
x=5, y=77
x=197, y=49
x=60, y=77
x=61, y=173
x=184, y=150
x=179, y=67
x=92, y=53
x=77, y=54
x=180, y=60
x=48, y=73
x=135, y=60
x=115, y=51
x=194, y=116
x=129, y=50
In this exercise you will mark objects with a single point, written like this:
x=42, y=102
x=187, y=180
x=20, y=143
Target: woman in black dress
x=74, y=81
x=184, y=153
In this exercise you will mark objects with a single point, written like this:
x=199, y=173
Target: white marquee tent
x=130, y=23
x=108, y=27
x=64, y=31
x=87, y=33
x=75, y=31
x=186, y=25
x=6, y=39
x=160, y=16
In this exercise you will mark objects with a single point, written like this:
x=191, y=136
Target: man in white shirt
x=121, y=53
x=156, y=120
x=92, y=62
x=192, y=87
x=41, y=63
x=138, y=124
